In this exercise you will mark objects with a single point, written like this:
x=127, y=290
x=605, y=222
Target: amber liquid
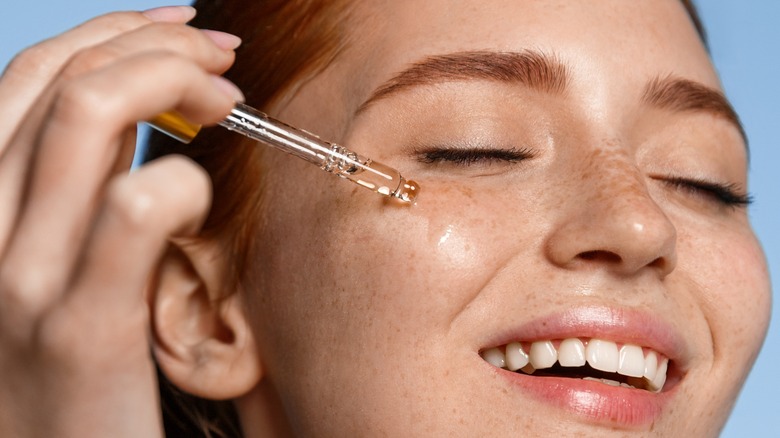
x=383, y=180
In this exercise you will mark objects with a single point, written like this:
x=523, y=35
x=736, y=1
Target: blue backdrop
x=745, y=44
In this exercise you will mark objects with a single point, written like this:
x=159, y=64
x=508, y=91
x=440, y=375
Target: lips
x=627, y=365
x=611, y=366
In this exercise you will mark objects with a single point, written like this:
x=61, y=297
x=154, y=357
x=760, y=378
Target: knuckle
x=135, y=207
x=170, y=61
x=90, y=59
x=35, y=61
x=179, y=35
x=79, y=102
x=189, y=184
x=25, y=289
x=122, y=21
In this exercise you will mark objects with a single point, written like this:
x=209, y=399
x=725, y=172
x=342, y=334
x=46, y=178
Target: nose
x=612, y=222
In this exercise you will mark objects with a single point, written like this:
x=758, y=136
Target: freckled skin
x=369, y=322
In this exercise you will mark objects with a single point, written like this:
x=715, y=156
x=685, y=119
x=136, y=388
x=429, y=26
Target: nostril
x=663, y=264
x=605, y=256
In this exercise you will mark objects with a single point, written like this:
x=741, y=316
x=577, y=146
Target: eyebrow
x=531, y=68
x=677, y=94
x=545, y=72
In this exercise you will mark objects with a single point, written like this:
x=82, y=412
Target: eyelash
x=726, y=194
x=473, y=156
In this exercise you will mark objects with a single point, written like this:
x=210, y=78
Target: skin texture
x=364, y=317
x=375, y=328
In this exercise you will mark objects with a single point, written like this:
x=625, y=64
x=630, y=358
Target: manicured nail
x=171, y=14
x=228, y=88
x=223, y=40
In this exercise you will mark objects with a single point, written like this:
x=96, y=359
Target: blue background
x=745, y=43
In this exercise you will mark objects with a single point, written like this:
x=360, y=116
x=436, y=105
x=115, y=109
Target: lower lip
x=595, y=402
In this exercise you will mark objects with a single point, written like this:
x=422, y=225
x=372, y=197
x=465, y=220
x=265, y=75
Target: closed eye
x=472, y=156
x=726, y=194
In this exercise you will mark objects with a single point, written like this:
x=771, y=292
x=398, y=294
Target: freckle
x=612, y=174
x=468, y=191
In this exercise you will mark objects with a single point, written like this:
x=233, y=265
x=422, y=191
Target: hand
x=79, y=236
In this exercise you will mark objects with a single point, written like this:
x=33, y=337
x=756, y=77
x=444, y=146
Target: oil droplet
x=408, y=191
x=443, y=239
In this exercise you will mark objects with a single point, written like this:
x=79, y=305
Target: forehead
x=641, y=38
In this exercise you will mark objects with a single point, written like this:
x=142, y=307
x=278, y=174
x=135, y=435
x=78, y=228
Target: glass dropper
x=330, y=157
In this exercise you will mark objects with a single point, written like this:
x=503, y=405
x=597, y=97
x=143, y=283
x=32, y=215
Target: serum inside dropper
x=330, y=157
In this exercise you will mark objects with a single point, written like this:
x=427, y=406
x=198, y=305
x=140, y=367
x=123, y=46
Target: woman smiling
x=579, y=261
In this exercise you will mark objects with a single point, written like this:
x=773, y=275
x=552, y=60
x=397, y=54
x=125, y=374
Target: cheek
x=728, y=270
x=352, y=286
x=722, y=277
x=386, y=261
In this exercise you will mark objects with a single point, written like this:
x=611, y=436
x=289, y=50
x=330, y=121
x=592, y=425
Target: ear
x=203, y=342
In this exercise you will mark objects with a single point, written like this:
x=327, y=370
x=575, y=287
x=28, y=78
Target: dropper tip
x=407, y=191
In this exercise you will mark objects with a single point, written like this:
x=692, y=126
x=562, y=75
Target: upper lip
x=620, y=325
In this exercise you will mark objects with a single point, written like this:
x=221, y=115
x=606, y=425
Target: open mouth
x=626, y=365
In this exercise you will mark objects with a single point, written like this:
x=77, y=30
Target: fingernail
x=223, y=40
x=228, y=88
x=171, y=14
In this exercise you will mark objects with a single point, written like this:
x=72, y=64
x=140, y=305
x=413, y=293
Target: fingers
x=87, y=117
x=130, y=234
x=33, y=69
x=131, y=231
x=211, y=50
x=208, y=50
x=78, y=241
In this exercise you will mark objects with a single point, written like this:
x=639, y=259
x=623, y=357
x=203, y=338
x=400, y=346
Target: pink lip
x=595, y=401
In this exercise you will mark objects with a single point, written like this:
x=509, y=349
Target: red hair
x=284, y=43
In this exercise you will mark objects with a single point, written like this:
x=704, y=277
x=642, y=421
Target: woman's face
x=580, y=181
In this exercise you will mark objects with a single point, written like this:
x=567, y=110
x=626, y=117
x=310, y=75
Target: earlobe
x=202, y=340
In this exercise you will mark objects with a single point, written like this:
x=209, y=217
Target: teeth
x=607, y=381
x=515, y=357
x=632, y=361
x=651, y=366
x=494, y=357
x=543, y=355
x=658, y=383
x=602, y=355
x=571, y=353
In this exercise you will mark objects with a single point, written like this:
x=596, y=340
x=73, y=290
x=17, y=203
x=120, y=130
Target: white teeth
x=658, y=383
x=543, y=355
x=602, y=355
x=571, y=353
x=607, y=381
x=632, y=361
x=494, y=357
x=651, y=366
x=515, y=356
